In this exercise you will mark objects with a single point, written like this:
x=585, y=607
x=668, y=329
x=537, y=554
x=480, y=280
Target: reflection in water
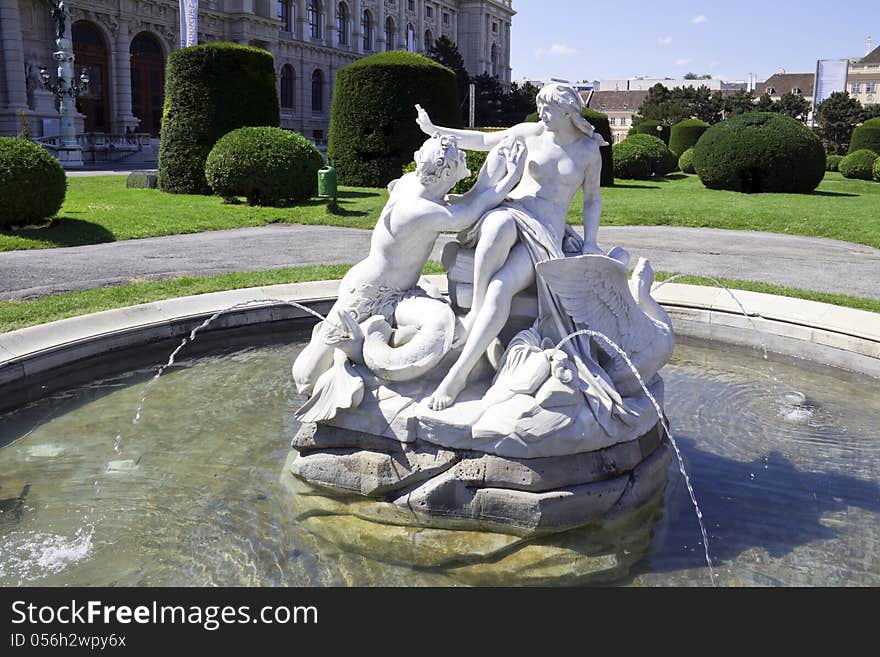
x=789, y=490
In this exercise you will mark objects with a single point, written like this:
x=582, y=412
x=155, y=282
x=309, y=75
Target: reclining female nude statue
x=382, y=288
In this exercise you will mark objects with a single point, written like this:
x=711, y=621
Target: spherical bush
x=32, y=182
x=859, y=164
x=639, y=157
x=268, y=166
x=760, y=152
x=686, y=161
x=684, y=134
x=832, y=162
x=373, y=130
x=877, y=169
x=867, y=136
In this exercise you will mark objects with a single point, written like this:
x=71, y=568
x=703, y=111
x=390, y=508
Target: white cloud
x=682, y=62
x=697, y=20
x=557, y=49
x=664, y=41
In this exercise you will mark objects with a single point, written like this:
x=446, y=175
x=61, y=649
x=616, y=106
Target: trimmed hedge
x=832, y=162
x=639, y=157
x=760, y=152
x=650, y=128
x=373, y=130
x=32, y=182
x=211, y=89
x=686, y=161
x=867, y=136
x=684, y=134
x=600, y=122
x=266, y=165
x=859, y=164
x=876, y=171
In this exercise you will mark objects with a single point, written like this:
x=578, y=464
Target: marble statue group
x=404, y=373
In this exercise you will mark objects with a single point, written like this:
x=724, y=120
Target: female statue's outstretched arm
x=474, y=140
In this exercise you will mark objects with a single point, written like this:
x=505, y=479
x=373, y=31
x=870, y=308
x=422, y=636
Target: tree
x=837, y=116
x=518, y=103
x=445, y=51
x=690, y=75
x=489, y=104
x=707, y=106
x=739, y=102
x=871, y=112
x=680, y=103
x=793, y=105
x=764, y=104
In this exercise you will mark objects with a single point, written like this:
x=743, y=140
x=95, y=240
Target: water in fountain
x=620, y=352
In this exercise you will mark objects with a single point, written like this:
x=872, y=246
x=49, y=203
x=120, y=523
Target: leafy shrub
x=832, y=162
x=684, y=134
x=651, y=128
x=373, y=130
x=877, y=169
x=858, y=164
x=867, y=136
x=686, y=161
x=600, y=122
x=641, y=156
x=211, y=89
x=760, y=152
x=268, y=166
x=32, y=182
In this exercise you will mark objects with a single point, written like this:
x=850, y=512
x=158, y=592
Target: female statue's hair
x=566, y=99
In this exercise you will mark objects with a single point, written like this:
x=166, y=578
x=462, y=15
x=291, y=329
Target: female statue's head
x=560, y=102
x=440, y=159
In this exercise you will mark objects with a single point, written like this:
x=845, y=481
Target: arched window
x=285, y=15
x=494, y=60
x=288, y=79
x=367, y=29
x=342, y=21
x=429, y=40
x=410, y=38
x=318, y=91
x=315, y=11
x=389, y=33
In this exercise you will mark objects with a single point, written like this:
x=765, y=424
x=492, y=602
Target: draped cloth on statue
x=553, y=321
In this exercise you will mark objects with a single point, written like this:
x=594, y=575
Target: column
x=401, y=24
x=421, y=46
x=454, y=20
x=13, y=59
x=357, y=35
x=330, y=9
x=380, y=26
x=301, y=29
x=122, y=116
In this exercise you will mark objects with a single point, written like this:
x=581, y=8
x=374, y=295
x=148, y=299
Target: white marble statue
x=383, y=288
x=402, y=362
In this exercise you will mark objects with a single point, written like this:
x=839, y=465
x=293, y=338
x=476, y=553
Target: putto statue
x=500, y=404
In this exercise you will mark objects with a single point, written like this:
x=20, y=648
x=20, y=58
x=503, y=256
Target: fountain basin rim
x=844, y=338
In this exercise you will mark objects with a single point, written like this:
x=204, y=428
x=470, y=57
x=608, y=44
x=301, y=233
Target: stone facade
x=863, y=81
x=122, y=40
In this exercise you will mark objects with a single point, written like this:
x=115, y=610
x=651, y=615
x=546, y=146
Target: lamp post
x=66, y=88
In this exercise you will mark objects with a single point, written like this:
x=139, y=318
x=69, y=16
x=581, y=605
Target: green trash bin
x=327, y=182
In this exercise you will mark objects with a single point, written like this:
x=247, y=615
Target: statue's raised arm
x=475, y=140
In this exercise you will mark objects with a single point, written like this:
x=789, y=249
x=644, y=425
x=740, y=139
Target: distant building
x=620, y=106
x=863, y=79
x=643, y=84
x=782, y=83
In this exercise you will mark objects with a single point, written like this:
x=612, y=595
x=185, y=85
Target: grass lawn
x=20, y=314
x=102, y=209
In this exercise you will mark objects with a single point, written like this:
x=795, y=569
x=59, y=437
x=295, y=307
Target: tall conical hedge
x=684, y=134
x=210, y=90
x=373, y=130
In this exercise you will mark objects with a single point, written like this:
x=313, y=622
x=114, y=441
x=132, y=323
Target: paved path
x=809, y=263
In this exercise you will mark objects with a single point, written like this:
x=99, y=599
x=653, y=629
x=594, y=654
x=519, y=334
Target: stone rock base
x=422, y=485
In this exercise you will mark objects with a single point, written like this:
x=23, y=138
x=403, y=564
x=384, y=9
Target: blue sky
x=578, y=39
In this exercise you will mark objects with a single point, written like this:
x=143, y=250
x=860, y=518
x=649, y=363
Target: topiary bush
x=210, y=90
x=639, y=157
x=32, y=182
x=373, y=130
x=684, y=134
x=760, y=152
x=876, y=170
x=686, y=161
x=867, y=136
x=600, y=122
x=650, y=128
x=266, y=165
x=859, y=164
x=832, y=162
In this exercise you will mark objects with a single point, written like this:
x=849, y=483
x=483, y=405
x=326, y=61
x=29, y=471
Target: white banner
x=189, y=23
x=831, y=76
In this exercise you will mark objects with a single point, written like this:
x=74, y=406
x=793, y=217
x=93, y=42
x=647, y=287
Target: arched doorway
x=90, y=50
x=147, y=82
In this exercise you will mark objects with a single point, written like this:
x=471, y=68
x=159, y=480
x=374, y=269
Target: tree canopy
x=837, y=117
